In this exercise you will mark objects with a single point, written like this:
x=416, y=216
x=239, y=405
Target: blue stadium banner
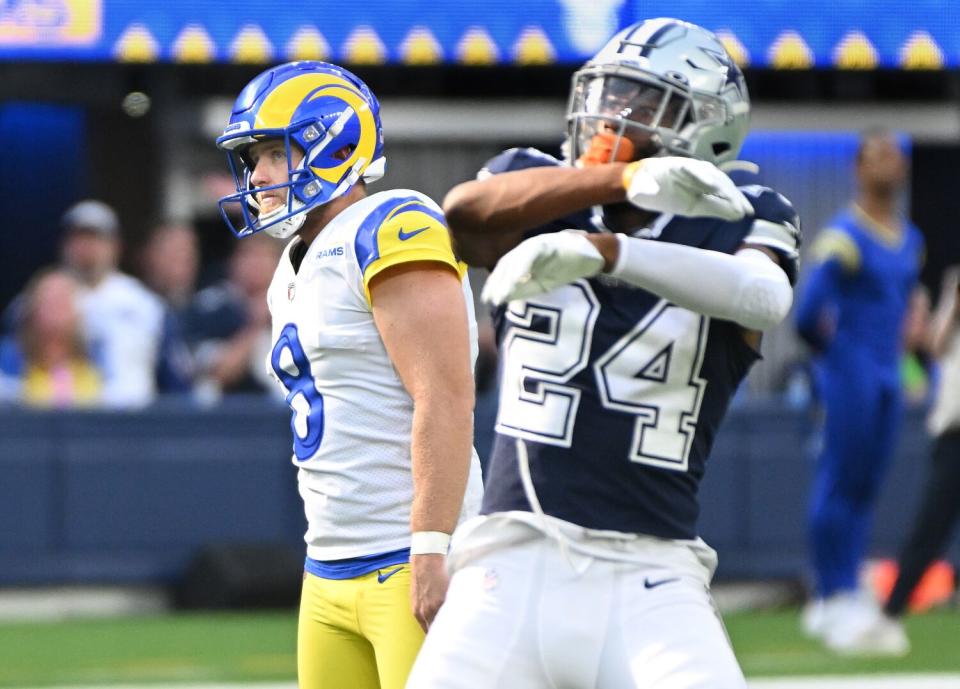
x=779, y=34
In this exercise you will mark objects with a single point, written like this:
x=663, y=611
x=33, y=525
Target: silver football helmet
x=659, y=87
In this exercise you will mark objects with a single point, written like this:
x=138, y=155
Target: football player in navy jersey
x=632, y=282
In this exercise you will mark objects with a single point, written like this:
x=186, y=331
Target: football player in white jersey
x=374, y=341
x=621, y=344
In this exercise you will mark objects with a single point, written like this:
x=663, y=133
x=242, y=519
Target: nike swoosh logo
x=647, y=584
x=382, y=577
x=404, y=236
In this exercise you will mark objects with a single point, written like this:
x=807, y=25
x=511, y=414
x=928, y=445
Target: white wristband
x=429, y=542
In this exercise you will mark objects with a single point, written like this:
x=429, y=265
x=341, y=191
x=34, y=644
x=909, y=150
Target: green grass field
x=769, y=644
x=261, y=647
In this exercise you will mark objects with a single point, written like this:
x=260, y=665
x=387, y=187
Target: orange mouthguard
x=601, y=150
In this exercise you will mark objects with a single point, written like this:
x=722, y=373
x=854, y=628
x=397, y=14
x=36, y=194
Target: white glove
x=540, y=264
x=684, y=186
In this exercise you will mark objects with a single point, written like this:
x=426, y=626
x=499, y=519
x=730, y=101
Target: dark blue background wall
x=44, y=170
x=97, y=497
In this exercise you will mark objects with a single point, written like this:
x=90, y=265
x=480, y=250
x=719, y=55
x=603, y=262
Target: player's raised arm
x=488, y=216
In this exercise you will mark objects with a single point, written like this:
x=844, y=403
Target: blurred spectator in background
x=227, y=325
x=170, y=263
x=914, y=378
x=130, y=332
x=45, y=362
x=852, y=313
x=940, y=506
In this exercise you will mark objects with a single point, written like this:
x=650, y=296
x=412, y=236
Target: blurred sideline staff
x=940, y=505
x=129, y=332
x=852, y=312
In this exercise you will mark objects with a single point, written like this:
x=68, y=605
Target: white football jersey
x=123, y=324
x=352, y=417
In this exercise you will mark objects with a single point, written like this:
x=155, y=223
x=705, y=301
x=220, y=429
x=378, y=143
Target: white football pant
x=525, y=612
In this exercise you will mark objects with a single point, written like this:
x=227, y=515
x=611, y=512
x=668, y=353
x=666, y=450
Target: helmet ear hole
x=720, y=148
x=344, y=153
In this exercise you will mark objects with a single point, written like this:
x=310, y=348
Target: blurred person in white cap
x=130, y=332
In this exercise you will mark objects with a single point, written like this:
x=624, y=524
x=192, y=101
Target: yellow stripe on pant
x=357, y=633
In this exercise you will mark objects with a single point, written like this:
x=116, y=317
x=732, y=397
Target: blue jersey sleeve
x=517, y=159
x=815, y=303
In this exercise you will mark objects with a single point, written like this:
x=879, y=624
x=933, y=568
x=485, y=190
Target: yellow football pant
x=357, y=633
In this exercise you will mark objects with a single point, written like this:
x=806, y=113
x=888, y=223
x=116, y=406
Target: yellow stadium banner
x=193, y=44
x=855, y=51
x=421, y=47
x=136, y=44
x=790, y=51
x=533, y=48
x=364, y=47
x=251, y=46
x=921, y=51
x=477, y=48
x=51, y=23
x=307, y=43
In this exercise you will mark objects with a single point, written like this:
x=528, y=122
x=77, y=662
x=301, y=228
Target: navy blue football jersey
x=616, y=392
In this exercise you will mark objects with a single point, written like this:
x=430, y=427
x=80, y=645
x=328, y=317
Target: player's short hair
x=869, y=134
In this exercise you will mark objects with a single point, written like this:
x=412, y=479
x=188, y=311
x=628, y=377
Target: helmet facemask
x=659, y=87
x=620, y=113
x=304, y=190
x=242, y=212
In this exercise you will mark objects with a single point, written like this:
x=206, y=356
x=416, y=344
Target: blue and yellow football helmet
x=328, y=113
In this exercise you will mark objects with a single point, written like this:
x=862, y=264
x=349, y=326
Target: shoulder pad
x=742, y=172
x=391, y=197
x=770, y=205
x=775, y=226
x=517, y=159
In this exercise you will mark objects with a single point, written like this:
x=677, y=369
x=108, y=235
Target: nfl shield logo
x=291, y=291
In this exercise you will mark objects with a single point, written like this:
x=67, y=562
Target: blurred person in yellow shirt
x=45, y=364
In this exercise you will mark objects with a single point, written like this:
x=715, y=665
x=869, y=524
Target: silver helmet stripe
x=646, y=36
